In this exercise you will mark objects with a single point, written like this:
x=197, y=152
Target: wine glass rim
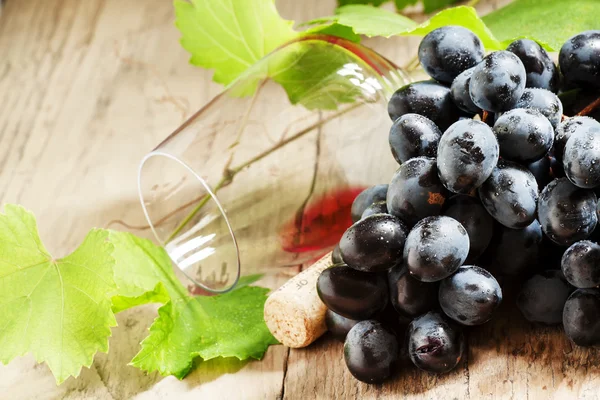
x=157, y=153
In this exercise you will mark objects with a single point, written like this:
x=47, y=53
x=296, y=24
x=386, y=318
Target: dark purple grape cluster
x=495, y=184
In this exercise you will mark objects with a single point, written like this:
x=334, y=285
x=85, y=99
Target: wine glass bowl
x=264, y=175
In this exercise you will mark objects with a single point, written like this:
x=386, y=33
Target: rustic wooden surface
x=87, y=88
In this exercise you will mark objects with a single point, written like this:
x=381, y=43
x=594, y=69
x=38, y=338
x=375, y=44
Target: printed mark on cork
x=301, y=283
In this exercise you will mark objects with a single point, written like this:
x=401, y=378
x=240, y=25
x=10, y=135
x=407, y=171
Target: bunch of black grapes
x=495, y=184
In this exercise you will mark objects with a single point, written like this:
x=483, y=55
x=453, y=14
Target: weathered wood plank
x=88, y=87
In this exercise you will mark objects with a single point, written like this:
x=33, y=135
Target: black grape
x=581, y=158
x=581, y=317
x=371, y=351
x=460, y=92
x=376, y=208
x=470, y=296
x=427, y=98
x=567, y=128
x=475, y=219
x=515, y=251
x=336, y=255
x=542, y=297
x=467, y=154
x=416, y=191
x=544, y=101
x=498, y=82
x=542, y=170
x=435, y=248
x=579, y=59
x=581, y=264
x=540, y=69
x=557, y=167
x=567, y=213
x=367, y=197
x=409, y=296
x=434, y=343
x=338, y=325
x=413, y=135
x=374, y=243
x=352, y=294
x=523, y=135
x=510, y=195
x=447, y=51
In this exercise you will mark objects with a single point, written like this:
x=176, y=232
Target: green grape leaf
x=141, y=269
x=309, y=76
x=371, y=21
x=230, y=36
x=463, y=16
x=59, y=310
x=434, y=5
x=123, y=302
x=375, y=3
x=428, y=5
x=402, y=4
x=550, y=22
x=521, y=18
x=314, y=74
x=143, y=272
x=334, y=29
x=228, y=325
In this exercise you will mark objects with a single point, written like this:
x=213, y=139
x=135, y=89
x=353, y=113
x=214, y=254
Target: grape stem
x=229, y=173
x=589, y=108
x=485, y=116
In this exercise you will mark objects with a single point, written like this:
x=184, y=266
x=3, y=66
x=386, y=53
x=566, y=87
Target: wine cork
x=294, y=313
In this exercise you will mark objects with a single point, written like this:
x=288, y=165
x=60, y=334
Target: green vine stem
x=223, y=182
x=412, y=64
x=230, y=173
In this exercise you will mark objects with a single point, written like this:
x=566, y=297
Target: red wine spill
x=322, y=223
x=319, y=227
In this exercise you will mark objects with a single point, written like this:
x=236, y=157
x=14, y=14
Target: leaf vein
x=220, y=45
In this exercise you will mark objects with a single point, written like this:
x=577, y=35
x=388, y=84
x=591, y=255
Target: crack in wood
x=285, y=369
x=299, y=227
x=526, y=386
x=466, y=367
x=104, y=382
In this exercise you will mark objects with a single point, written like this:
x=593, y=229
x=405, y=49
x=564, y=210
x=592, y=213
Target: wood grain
x=88, y=87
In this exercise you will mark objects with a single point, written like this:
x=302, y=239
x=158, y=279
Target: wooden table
x=87, y=88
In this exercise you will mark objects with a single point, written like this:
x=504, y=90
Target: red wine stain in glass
x=212, y=280
x=321, y=224
x=196, y=290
